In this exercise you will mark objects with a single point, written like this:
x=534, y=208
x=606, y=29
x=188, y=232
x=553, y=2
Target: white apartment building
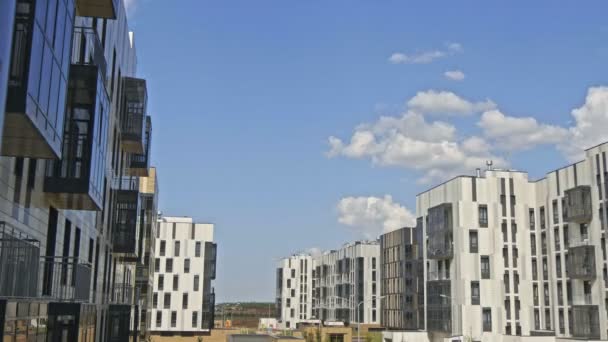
x=346, y=284
x=509, y=259
x=183, y=300
x=294, y=290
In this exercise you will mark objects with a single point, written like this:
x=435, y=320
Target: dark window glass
x=487, y=319
x=485, y=267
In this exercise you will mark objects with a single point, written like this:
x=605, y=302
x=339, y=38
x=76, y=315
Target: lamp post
x=359, y=318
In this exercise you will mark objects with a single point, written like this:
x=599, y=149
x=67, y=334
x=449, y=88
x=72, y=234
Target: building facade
x=74, y=144
x=402, y=280
x=183, y=300
x=347, y=284
x=294, y=290
x=509, y=259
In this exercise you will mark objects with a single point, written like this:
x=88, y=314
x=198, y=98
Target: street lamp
x=359, y=318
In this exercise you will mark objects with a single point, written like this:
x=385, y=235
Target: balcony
x=585, y=321
x=581, y=262
x=126, y=220
x=97, y=8
x=66, y=279
x=439, y=309
x=133, y=115
x=122, y=294
x=76, y=180
x=578, y=204
x=210, y=259
x=140, y=163
x=439, y=230
x=35, y=101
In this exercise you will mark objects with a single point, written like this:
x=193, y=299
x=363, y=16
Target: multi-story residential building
x=347, y=284
x=144, y=275
x=509, y=259
x=402, y=280
x=7, y=22
x=294, y=290
x=74, y=142
x=183, y=301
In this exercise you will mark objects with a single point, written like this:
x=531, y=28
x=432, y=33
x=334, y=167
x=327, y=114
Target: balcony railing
x=126, y=219
x=87, y=49
x=19, y=263
x=122, y=294
x=66, y=279
x=140, y=163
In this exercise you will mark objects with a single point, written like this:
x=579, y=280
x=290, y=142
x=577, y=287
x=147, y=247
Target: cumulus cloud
x=410, y=142
x=454, y=75
x=590, y=124
x=519, y=133
x=372, y=216
x=446, y=102
x=425, y=57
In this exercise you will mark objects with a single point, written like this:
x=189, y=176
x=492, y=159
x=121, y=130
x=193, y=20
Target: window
x=185, y=301
x=163, y=247
x=373, y=263
x=560, y=294
x=167, y=301
x=159, y=318
x=547, y=319
x=155, y=300
x=173, y=319
x=293, y=273
x=545, y=269
x=546, y=294
x=473, y=242
x=566, y=237
x=532, y=219
x=288, y=283
x=157, y=265
x=485, y=267
x=558, y=266
x=173, y=231
x=175, y=282
x=534, y=270
x=561, y=321
x=536, y=319
x=161, y=282
x=176, y=249
x=507, y=282
x=186, y=265
x=483, y=215
x=194, y=319
x=475, y=293
x=555, y=212
x=487, y=319
x=195, y=285
x=197, y=249
x=533, y=244
x=169, y=265
x=535, y=294
x=542, y=217
x=584, y=232
x=556, y=236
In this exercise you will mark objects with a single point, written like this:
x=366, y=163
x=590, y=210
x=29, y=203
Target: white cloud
x=411, y=142
x=372, y=216
x=519, y=133
x=416, y=58
x=314, y=251
x=454, y=75
x=591, y=124
x=445, y=102
x=425, y=57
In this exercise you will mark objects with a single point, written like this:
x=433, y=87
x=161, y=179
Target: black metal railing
x=87, y=49
x=122, y=293
x=66, y=279
x=19, y=256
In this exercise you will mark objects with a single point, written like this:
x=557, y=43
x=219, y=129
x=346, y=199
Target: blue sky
x=245, y=95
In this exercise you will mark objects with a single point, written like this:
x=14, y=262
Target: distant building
x=268, y=323
x=347, y=284
x=294, y=290
x=402, y=280
x=183, y=301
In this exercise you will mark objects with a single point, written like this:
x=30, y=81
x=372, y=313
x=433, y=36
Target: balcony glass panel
x=578, y=204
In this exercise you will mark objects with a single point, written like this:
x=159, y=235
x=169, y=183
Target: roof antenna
x=489, y=164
